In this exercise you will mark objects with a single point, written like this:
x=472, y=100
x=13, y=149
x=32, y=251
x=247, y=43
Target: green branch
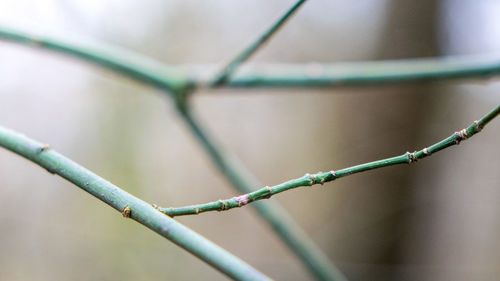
x=176, y=78
x=321, y=178
x=128, y=205
x=130, y=64
x=250, y=50
x=277, y=217
x=175, y=82
x=158, y=75
x=363, y=73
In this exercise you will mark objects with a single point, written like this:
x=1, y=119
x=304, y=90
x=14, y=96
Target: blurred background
x=434, y=220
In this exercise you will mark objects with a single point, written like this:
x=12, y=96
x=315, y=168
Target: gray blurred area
x=437, y=219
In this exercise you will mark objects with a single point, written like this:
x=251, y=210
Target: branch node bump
x=334, y=175
x=223, y=205
x=242, y=200
x=127, y=212
x=44, y=147
x=426, y=151
x=478, y=128
x=270, y=191
x=461, y=135
x=322, y=181
x=310, y=178
x=411, y=157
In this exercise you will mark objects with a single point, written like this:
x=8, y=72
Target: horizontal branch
x=128, y=205
x=321, y=178
x=369, y=73
x=228, y=70
x=175, y=77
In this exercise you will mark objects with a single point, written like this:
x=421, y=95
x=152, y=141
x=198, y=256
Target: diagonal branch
x=130, y=64
x=229, y=69
x=295, y=238
x=275, y=215
x=321, y=178
x=128, y=205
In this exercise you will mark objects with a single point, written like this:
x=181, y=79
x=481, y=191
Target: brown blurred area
x=434, y=220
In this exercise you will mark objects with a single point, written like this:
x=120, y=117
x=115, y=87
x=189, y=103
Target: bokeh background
x=437, y=219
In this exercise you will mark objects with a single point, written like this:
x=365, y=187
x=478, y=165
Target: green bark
x=228, y=70
x=321, y=178
x=128, y=205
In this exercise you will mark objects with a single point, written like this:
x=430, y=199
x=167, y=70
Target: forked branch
x=228, y=70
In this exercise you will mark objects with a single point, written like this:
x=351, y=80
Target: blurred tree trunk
x=389, y=118
x=455, y=236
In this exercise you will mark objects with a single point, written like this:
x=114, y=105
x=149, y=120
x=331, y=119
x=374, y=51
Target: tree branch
x=174, y=78
x=331, y=75
x=130, y=64
x=177, y=83
x=229, y=69
x=275, y=215
x=240, y=178
x=321, y=178
x=128, y=205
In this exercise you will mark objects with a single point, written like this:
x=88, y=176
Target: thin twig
x=230, y=68
x=321, y=178
x=275, y=215
x=128, y=205
x=240, y=178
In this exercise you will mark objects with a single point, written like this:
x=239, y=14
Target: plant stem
x=240, y=178
x=275, y=215
x=363, y=73
x=130, y=64
x=321, y=178
x=128, y=205
x=229, y=69
x=173, y=78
